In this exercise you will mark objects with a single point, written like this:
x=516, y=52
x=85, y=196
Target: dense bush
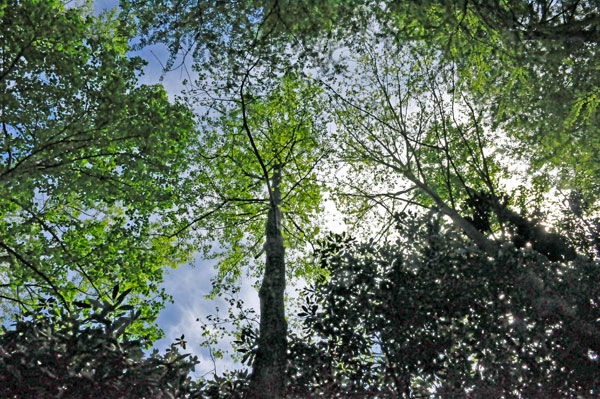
x=430, y=313
x=61, y=354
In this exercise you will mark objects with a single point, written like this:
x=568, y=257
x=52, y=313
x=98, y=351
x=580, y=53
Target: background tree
x=531, y=63
x=418, y=139
x=90, y=162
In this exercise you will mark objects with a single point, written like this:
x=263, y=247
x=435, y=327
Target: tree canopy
x=90, y=161
x=530, y=64
x=431, y=101
x=458, y=140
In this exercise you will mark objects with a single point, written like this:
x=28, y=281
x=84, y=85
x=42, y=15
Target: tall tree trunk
x=268, y=371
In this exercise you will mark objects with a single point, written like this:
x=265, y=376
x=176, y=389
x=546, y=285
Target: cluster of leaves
x=245, y=32
x=431, y=313
x=90, y=161
x=52, y=353
x=229, y=385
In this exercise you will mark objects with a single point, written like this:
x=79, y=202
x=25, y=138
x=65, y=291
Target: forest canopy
x=457, y=142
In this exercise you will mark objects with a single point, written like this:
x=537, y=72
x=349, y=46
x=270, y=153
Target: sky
x=189, y=283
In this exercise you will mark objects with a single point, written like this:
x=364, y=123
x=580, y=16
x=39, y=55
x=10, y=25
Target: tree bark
x=484, y=243
x=554, y=246
x=268, y=371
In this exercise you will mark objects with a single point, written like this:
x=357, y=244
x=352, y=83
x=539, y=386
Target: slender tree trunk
x=268, y=371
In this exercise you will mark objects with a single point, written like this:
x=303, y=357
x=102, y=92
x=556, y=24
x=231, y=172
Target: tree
x=90, y=161
x=418, y=138
x=258, y=182
x=531, y=63
x=252, y=40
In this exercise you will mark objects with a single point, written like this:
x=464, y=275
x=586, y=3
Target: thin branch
x=199, y=218
x=303, y=178
x=37, y=271
x=20, y=302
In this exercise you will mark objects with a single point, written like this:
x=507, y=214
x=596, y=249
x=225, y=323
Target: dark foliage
x=482, y=205
x=431, y=313
x=582, y=230
x=230, y=385
x=57, y=354
x=430, y=316
x=426, y=316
